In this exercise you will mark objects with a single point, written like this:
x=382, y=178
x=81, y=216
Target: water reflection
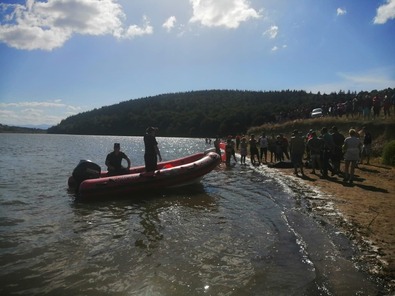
x=240, y=232
x=147, y=215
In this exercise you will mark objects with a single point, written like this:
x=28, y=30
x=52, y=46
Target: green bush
x=389, y=153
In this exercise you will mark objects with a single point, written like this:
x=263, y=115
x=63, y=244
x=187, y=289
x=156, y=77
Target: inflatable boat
x=88, y=182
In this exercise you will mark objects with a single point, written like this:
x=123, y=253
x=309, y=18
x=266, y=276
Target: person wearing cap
x=152, y=152
x=114, y=161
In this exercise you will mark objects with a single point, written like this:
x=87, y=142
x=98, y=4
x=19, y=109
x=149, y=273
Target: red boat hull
x=175, y=173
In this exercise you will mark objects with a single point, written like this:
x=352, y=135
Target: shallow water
x=241, y=231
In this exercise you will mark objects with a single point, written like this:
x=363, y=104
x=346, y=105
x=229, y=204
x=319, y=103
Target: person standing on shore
x=326, y=151
x=367, y=145
x=238, y=139
x=307, y=138
x=279, y=156
x=337, y=155
x=217, y=147
x=315, y=147
x=264, y=144
x=272, y=148
x=284, y=146
x=297, y=148
x=352, y=149
x=253, y=149
x=243, y=150
x=386, y=107
x=230, y=151
x=152, y=152
x=376, y=106
x=367, y=106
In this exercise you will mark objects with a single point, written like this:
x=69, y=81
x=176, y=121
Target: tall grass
x=389, y=153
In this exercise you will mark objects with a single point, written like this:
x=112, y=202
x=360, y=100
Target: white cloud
x=36, y=112
x=341, y=11
x=373, y=79
x=49, y=24
x=385, y=12
x=134, y=30
x=376, y=79
x=225, y=13
x=277, y=48
x=271, y=32
x=169, y=23
x=50, y=104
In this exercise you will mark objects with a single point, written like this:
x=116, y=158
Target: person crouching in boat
x=152, y=152
x=114, y=161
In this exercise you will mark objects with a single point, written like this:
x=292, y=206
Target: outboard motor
x=85, y=170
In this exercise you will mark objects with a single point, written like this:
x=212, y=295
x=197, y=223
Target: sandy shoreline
x=364, y=211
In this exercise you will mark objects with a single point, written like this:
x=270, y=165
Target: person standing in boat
x=114, y=161
x=152, y=152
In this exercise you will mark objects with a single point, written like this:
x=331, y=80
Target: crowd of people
x=321, y=152
x=368, y=107
x=365, y=106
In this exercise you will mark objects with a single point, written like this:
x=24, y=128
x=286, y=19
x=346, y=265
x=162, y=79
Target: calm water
x=242, y=231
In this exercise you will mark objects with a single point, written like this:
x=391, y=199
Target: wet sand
x=364, y=211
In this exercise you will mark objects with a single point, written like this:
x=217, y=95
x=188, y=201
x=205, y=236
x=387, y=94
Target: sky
x=63, y=57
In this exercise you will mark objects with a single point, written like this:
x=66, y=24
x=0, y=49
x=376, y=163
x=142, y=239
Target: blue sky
x=63, y=57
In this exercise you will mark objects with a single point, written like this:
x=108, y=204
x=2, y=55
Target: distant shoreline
x=21, y=130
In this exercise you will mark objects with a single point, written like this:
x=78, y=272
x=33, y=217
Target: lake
x=242, y=231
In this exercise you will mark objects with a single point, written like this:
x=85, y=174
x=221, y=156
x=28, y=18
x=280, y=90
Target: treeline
x=196, y=113
x=17, y=129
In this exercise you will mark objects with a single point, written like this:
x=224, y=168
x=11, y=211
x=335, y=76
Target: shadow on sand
x=356, y=183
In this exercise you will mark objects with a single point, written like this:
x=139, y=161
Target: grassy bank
x=382, y=130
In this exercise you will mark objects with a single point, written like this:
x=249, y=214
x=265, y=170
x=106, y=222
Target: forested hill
x=197, y=113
